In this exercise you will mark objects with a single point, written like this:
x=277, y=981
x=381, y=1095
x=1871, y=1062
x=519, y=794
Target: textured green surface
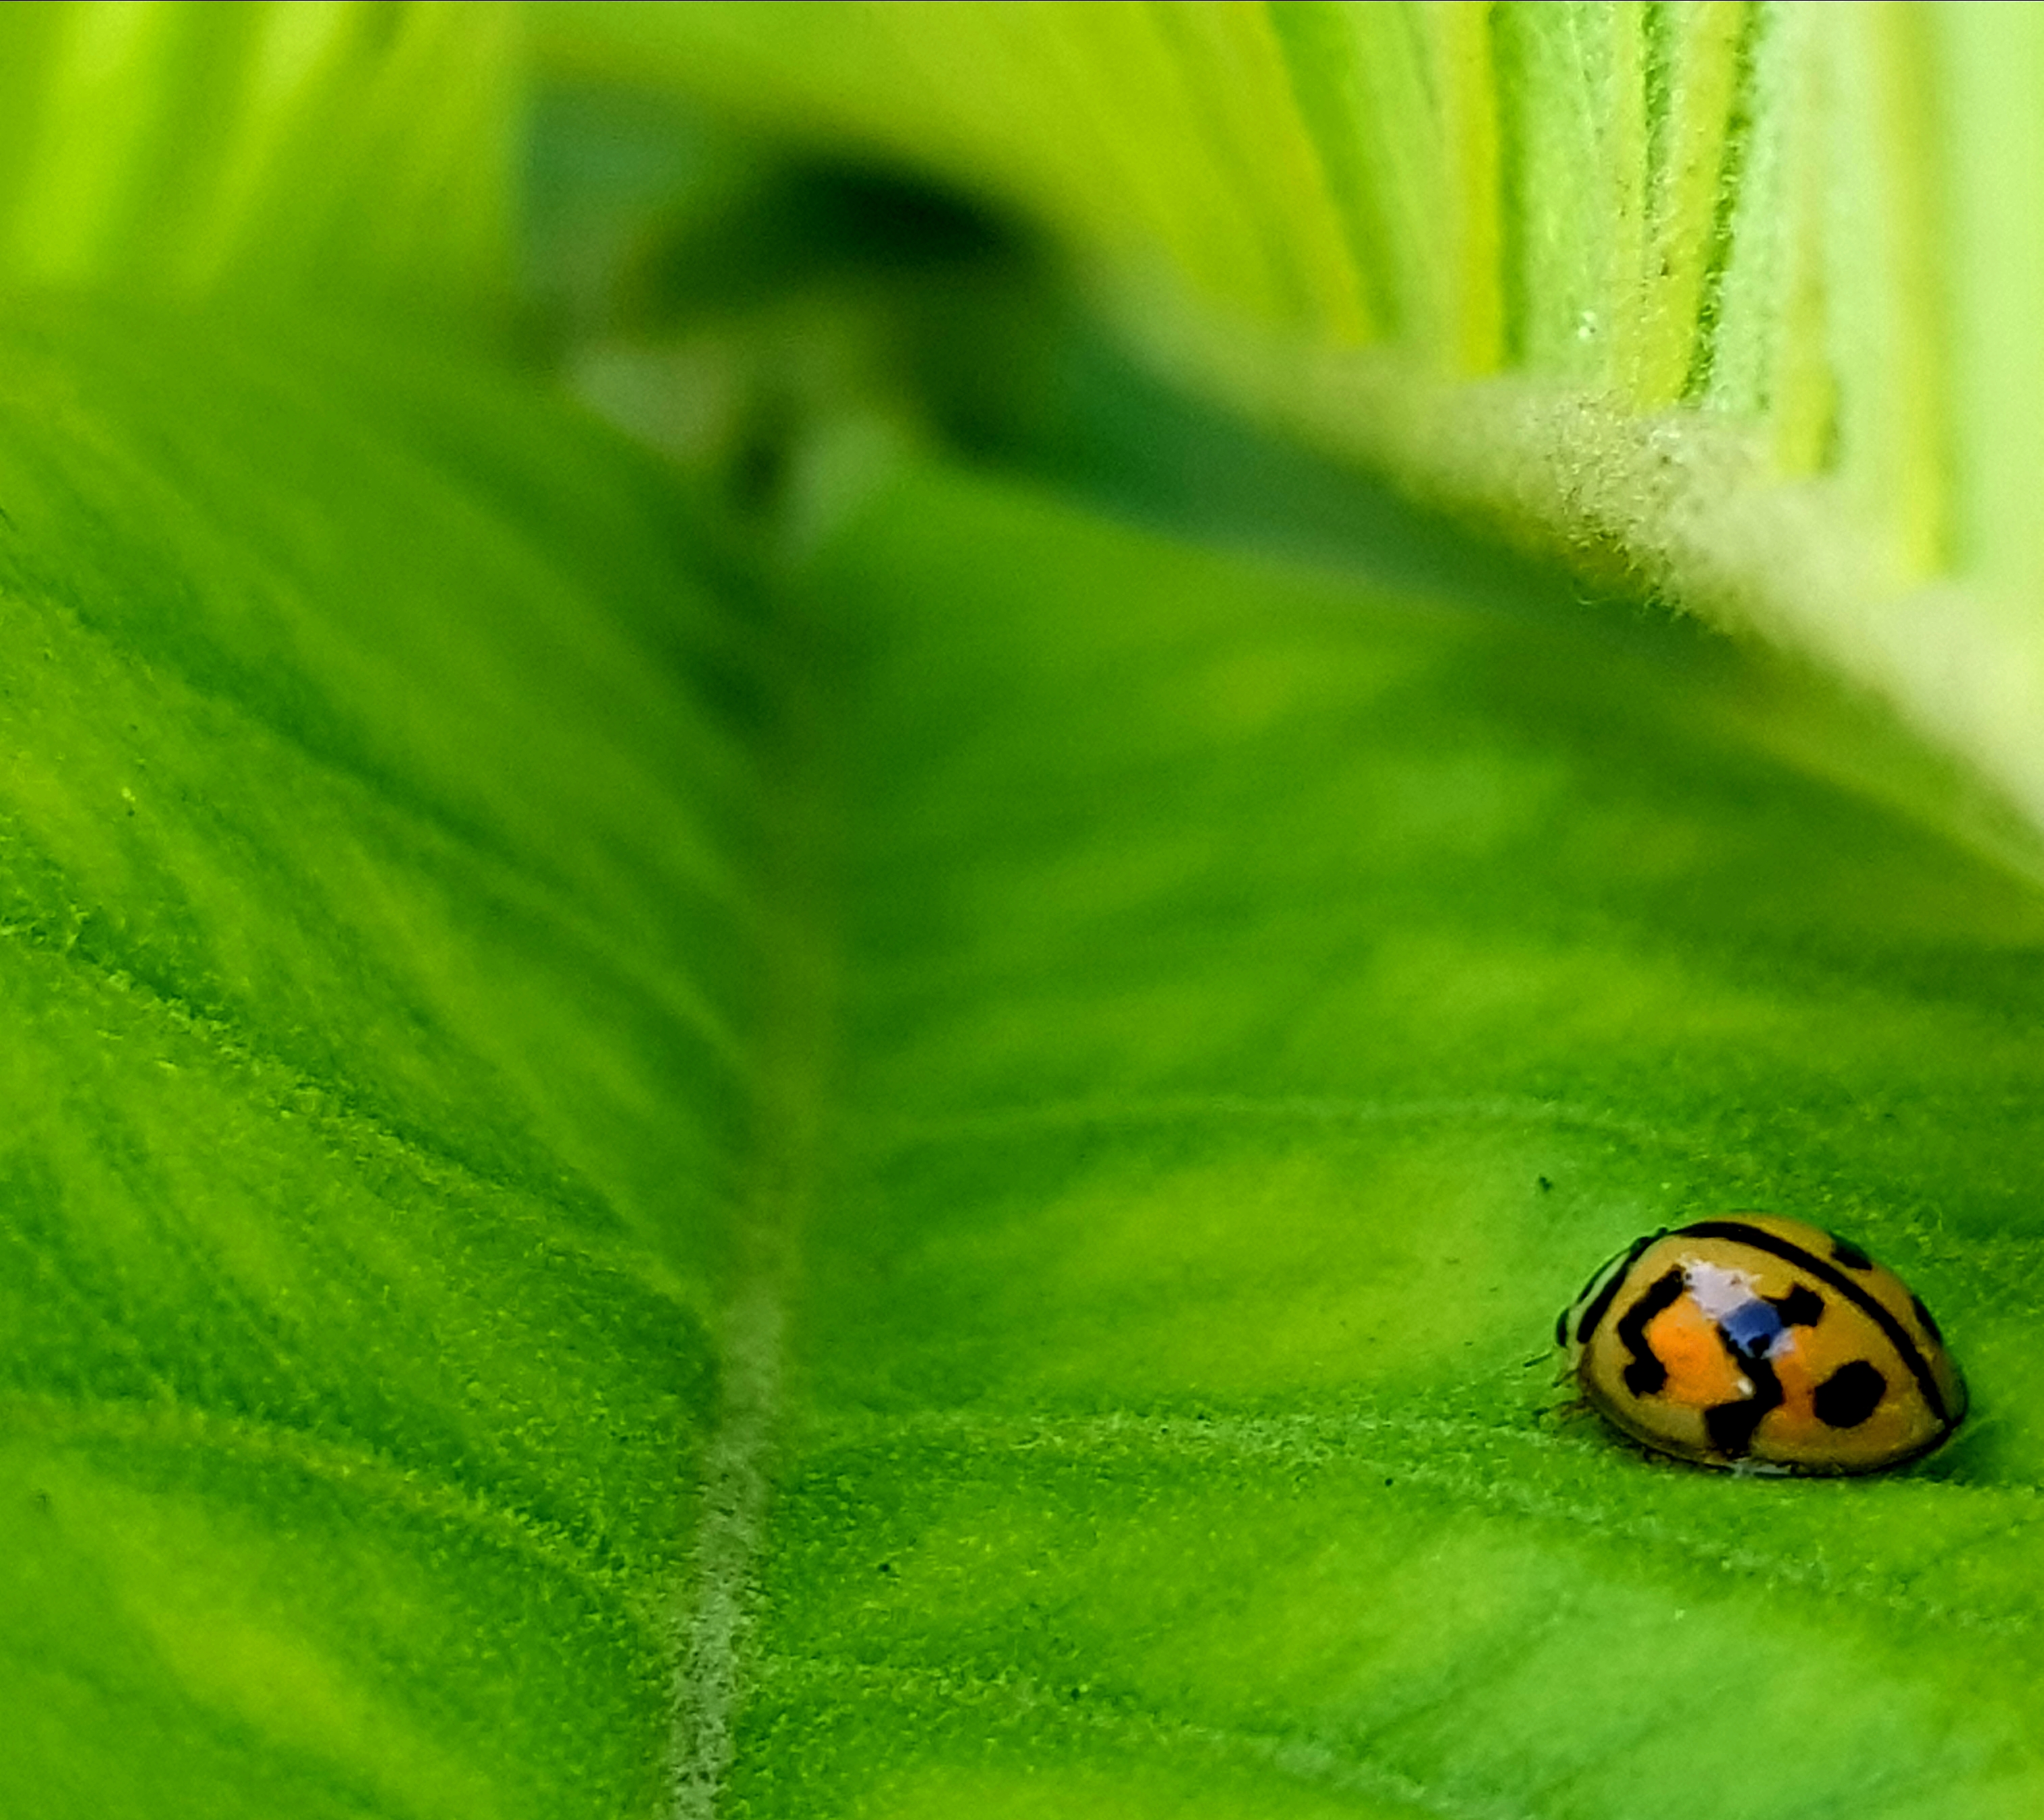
x=1259, y=998
x=921, y=1164
x=370, y=978
x=1267, y=998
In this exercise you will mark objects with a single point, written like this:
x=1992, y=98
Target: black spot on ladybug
x=1928, y=1319
x=1801, y=1307
x=1731, y=1426
x=1645, y=1374
x=1849, y=1394
x=1850, y=1256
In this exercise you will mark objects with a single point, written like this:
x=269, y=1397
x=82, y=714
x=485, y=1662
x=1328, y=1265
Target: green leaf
x=934, y=1179
x=1267, y=997
x=312, y=152
x=375, y=919
x=1743, y=292
x=930, y=1174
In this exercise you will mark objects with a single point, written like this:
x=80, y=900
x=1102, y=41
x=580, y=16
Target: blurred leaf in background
x=1745, y=290
x=878, y=1108
x=260, y=151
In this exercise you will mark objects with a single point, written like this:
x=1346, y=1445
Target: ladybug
x=1759, y=1344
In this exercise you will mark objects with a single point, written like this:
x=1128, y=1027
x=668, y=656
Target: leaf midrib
x=796, y=1000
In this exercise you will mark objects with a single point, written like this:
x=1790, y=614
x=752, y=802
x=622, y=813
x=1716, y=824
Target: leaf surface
x=1268, y=997
x=1028, y=1091
x=373, y=972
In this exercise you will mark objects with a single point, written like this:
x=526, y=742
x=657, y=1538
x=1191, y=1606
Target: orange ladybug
x=1751, y=1341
